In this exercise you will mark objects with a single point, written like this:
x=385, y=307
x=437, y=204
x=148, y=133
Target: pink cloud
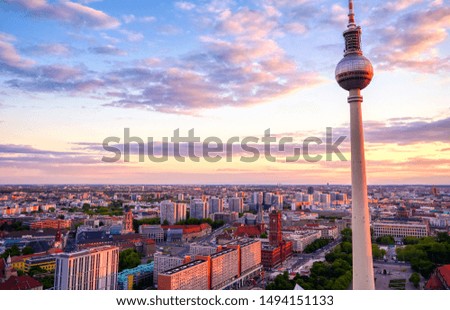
x=9, y=55
x=413, y=39
x=67, y=11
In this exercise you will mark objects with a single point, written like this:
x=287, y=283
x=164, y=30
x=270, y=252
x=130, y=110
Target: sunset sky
x=75, y=72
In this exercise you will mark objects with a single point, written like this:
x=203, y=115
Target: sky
x=73, y=73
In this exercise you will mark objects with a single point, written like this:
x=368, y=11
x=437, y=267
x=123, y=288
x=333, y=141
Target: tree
x=410, y=240
x=377, y=253
x=386, y=240
x=346, y=234
x=165, y=222
x=27, y=250
x=36, y=270
x=263, y=236
x=51, y=209
x=217, y=224
x=47, y=281
x=281, y=282
x=12, y=251
x=128, y=259
x=415, y=279
x=316, y=244
x=86, y=207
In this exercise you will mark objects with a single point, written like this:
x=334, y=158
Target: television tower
x=353, y=73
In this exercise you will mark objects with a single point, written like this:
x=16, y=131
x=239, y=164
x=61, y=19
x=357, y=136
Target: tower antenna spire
x=351, y=14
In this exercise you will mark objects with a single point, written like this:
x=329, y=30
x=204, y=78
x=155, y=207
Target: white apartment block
x=92, y=269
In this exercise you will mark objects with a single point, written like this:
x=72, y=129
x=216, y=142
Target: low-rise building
x=400, y=229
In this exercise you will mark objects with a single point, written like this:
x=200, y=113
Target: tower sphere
x=354, y=72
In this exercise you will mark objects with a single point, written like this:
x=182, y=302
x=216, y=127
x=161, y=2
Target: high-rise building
x=275, y=235
x=236, y=204
x=190, y=276
x=249, y=255
x=230, y=267
x=224, y=267
x=268, y=199
x=93, y=269
x=278, y=201
x=260, y=219
x=165, y=262
x=215, y=205
x=199, y=209
x=172, y=212
x=257, y=198
x=310, y=190
x=325, y=199
x=354, y=73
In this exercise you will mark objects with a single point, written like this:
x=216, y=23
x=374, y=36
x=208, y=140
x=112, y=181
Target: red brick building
x=278, y=250
x=49, y=223
x=440, y=279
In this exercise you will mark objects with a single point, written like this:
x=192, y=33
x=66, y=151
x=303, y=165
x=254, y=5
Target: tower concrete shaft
x=363, y=277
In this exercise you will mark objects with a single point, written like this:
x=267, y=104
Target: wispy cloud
x=412, y=39
x=183, y=5
x=9, y=55
x=67, y=12
x=108, y=50
x=58, y=49
x=132, y=36
x=131, y=18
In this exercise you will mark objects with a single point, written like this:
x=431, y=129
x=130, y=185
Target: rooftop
x=20, y=283
x=183, y=267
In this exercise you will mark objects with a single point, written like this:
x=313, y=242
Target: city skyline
x=225, y=68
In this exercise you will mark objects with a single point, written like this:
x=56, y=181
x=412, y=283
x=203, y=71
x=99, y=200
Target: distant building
x=250, y=231
x=186, y=233
x=215, y=205
x=50, y=223
x=278, y=201
x=172, y=212
x=257, y=198
x=227, y=217
x=93, y=269
x=400, y=229
x=268, y=199
x=128, y=222
x=199, y=209
x=301, y=239
x=236, y=204
x=328, y=232
x=154, y=232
